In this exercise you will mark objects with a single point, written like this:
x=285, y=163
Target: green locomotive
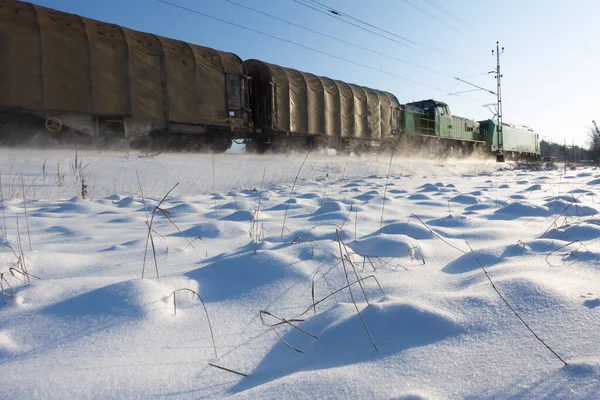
x=518, y=141
x=430, y=125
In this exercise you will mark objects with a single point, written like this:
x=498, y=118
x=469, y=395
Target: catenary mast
x=500, y=151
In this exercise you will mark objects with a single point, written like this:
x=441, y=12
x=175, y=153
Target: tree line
x=574, y=152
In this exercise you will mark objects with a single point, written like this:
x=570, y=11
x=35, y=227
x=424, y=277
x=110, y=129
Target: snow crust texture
x=333, y=280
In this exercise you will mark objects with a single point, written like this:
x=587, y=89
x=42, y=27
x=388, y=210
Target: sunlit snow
x=86, y=325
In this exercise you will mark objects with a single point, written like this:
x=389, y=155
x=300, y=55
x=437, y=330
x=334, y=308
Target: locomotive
x=85, y=81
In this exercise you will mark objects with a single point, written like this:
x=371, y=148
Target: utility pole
x=500, y=151
x=565, y=154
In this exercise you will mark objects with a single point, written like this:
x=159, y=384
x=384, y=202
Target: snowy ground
x=91, y=327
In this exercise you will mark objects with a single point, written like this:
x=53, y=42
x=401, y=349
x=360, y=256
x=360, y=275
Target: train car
x=518, y=141
x=432, y=122
x=77, y=79
x=61, y=73
x=291, y=107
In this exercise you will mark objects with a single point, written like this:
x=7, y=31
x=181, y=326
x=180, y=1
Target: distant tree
x=559, y=151
x=550, y=149
x=594, y=140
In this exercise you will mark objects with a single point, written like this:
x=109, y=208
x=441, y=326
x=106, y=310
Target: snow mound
x=464, y=199
x=418, y=196
x=594, y=182
x=396, y=325
x=449, y=222
x=371, y=194
x=570, y=209
x=331, y=206
x=128, y=298
x=582, y=232
x=239, y=275
x=73, y=206
x=239, y=216
x=428, y=187
x=520, y=209
x=128, y=202
x=533, y=188
x=210, y=230
x=414, y=230
x=183, y=209
x=467, y=262
x=383, y=245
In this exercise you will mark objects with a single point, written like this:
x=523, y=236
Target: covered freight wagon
x=96, y=78
x=292, y=104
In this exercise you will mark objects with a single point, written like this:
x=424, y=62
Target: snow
x=427, y=323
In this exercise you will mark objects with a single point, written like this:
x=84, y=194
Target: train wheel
x=53, y=124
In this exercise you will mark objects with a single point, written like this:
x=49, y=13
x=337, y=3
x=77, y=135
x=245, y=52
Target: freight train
x=81, y=80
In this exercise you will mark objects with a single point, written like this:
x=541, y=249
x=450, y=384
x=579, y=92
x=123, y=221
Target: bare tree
x=595, y=142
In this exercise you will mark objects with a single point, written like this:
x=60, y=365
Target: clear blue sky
x=550, y=65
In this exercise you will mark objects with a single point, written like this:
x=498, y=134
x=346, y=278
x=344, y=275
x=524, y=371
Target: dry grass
x=194, y=293
x=283, y=321
x=256, y=228
x=291, y=193
x=387, y=179
x=434, y=233
x=19, y=273
x=511, y=308
x=150, y=236
x=343, y=256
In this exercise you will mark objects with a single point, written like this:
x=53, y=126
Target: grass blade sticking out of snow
x=283, y=321
x=342, y=181
x=312, y=288
x=3, y=282
x=3, y=229
x=227, y=369
x=355, y=223
x=346, y=219
x=350, y=289
x=291, y=193
x=565, y=210
x=25, y=209
x=581, y=244
x=167, y=214
x=26, y=275
x=255, y=227
x=346, y=255
x=434, y=233
x=174, y=294
x=332, y=294
x=511, y=308
x=299, y=239
x=150, y=237
x=214, y=186
x=21, y=263
x=387, y=179
x=142, y=194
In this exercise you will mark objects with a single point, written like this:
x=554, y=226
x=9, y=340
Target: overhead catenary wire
x=441, y=20
x=450, y=14
x=383, y=33
x=334, y=11
x=337, y=39
x=301, y=45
